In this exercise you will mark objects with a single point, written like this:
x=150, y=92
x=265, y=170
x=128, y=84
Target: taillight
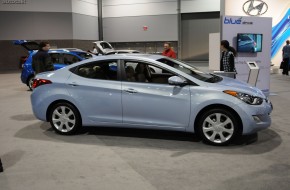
x=38, y=82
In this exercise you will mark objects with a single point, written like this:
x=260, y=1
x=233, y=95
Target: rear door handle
x=131, y=90
x=73, y=84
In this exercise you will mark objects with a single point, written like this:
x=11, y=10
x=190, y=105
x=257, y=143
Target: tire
x=218, y=127
x=65, y=118
x=30, y=82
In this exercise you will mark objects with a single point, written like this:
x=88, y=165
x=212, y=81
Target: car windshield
x=84, y=55
x=190, y=70
x=106, y=45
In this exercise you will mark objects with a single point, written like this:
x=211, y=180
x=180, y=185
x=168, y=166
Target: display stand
x=253, y=73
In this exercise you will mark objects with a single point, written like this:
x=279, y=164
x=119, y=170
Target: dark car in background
x=60, y=58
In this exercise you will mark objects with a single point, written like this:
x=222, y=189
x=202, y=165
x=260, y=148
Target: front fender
x=202, y=98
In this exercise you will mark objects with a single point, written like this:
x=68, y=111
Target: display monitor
x=248, y=42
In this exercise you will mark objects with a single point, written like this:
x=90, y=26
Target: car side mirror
x=177, y=81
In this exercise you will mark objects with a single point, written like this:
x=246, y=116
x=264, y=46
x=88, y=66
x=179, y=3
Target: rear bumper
x=26, y=74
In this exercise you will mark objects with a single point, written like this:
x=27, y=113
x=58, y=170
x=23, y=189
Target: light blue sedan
x=152, y=92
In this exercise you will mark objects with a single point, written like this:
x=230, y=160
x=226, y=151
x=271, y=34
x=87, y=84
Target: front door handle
x=131, y=91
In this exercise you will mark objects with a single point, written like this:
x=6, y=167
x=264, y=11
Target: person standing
x=95, y=51
x=286, y=58
x=227, y=62
x=41, y=61
x=168, y=51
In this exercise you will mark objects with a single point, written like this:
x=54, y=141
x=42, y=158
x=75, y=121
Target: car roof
x=67, y=50
x=126, y=51
x=134, y=56
x=141, y=57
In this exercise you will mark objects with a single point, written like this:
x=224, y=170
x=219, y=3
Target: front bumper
x=255, y=117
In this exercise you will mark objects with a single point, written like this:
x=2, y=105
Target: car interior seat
x=66, y=61
x=74, y=60
x=140, y=73
x=130, y=74
x=99, y=73
x=83, y=72
x=53, y=60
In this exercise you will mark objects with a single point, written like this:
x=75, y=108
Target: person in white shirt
x=95, y=51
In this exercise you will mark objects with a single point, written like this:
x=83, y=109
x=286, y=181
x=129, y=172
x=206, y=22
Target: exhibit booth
x=251, y=37
x=258, y=31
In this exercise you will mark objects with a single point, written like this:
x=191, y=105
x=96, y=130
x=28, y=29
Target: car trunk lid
x=28, y=45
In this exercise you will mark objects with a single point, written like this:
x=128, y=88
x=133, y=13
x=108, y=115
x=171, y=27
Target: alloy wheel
x=218, y=128
x=63, y=119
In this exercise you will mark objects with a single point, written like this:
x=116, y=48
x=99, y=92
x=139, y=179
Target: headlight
x=249, y=99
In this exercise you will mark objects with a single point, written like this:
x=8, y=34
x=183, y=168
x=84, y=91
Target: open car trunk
x=28, y=45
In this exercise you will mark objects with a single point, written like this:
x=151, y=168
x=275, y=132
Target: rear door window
x=103, y=70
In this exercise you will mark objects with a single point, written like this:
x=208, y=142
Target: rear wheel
x=218, y=127
x=30, y=82
x=65, y=118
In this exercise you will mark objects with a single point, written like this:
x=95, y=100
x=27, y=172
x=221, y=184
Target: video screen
x=250, y=43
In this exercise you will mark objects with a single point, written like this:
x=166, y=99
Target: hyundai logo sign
x=255, y=7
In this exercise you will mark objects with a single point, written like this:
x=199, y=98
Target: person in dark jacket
x=1, y=167
x=227, y=63
x=286, y=57
x=41, y=61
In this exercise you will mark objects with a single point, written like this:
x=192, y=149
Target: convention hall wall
x=142, y=24
x=195, y=34
x=124, y=23
x=65, y=23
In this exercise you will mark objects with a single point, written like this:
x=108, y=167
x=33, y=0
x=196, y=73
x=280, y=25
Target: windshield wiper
x=213, y=79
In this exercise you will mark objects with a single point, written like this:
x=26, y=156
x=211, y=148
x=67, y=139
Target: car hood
x=239, y=86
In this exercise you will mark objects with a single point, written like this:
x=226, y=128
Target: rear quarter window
x=104, y=70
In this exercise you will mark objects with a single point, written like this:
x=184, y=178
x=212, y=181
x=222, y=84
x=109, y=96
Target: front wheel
x=218, y=127
x=65, y=118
